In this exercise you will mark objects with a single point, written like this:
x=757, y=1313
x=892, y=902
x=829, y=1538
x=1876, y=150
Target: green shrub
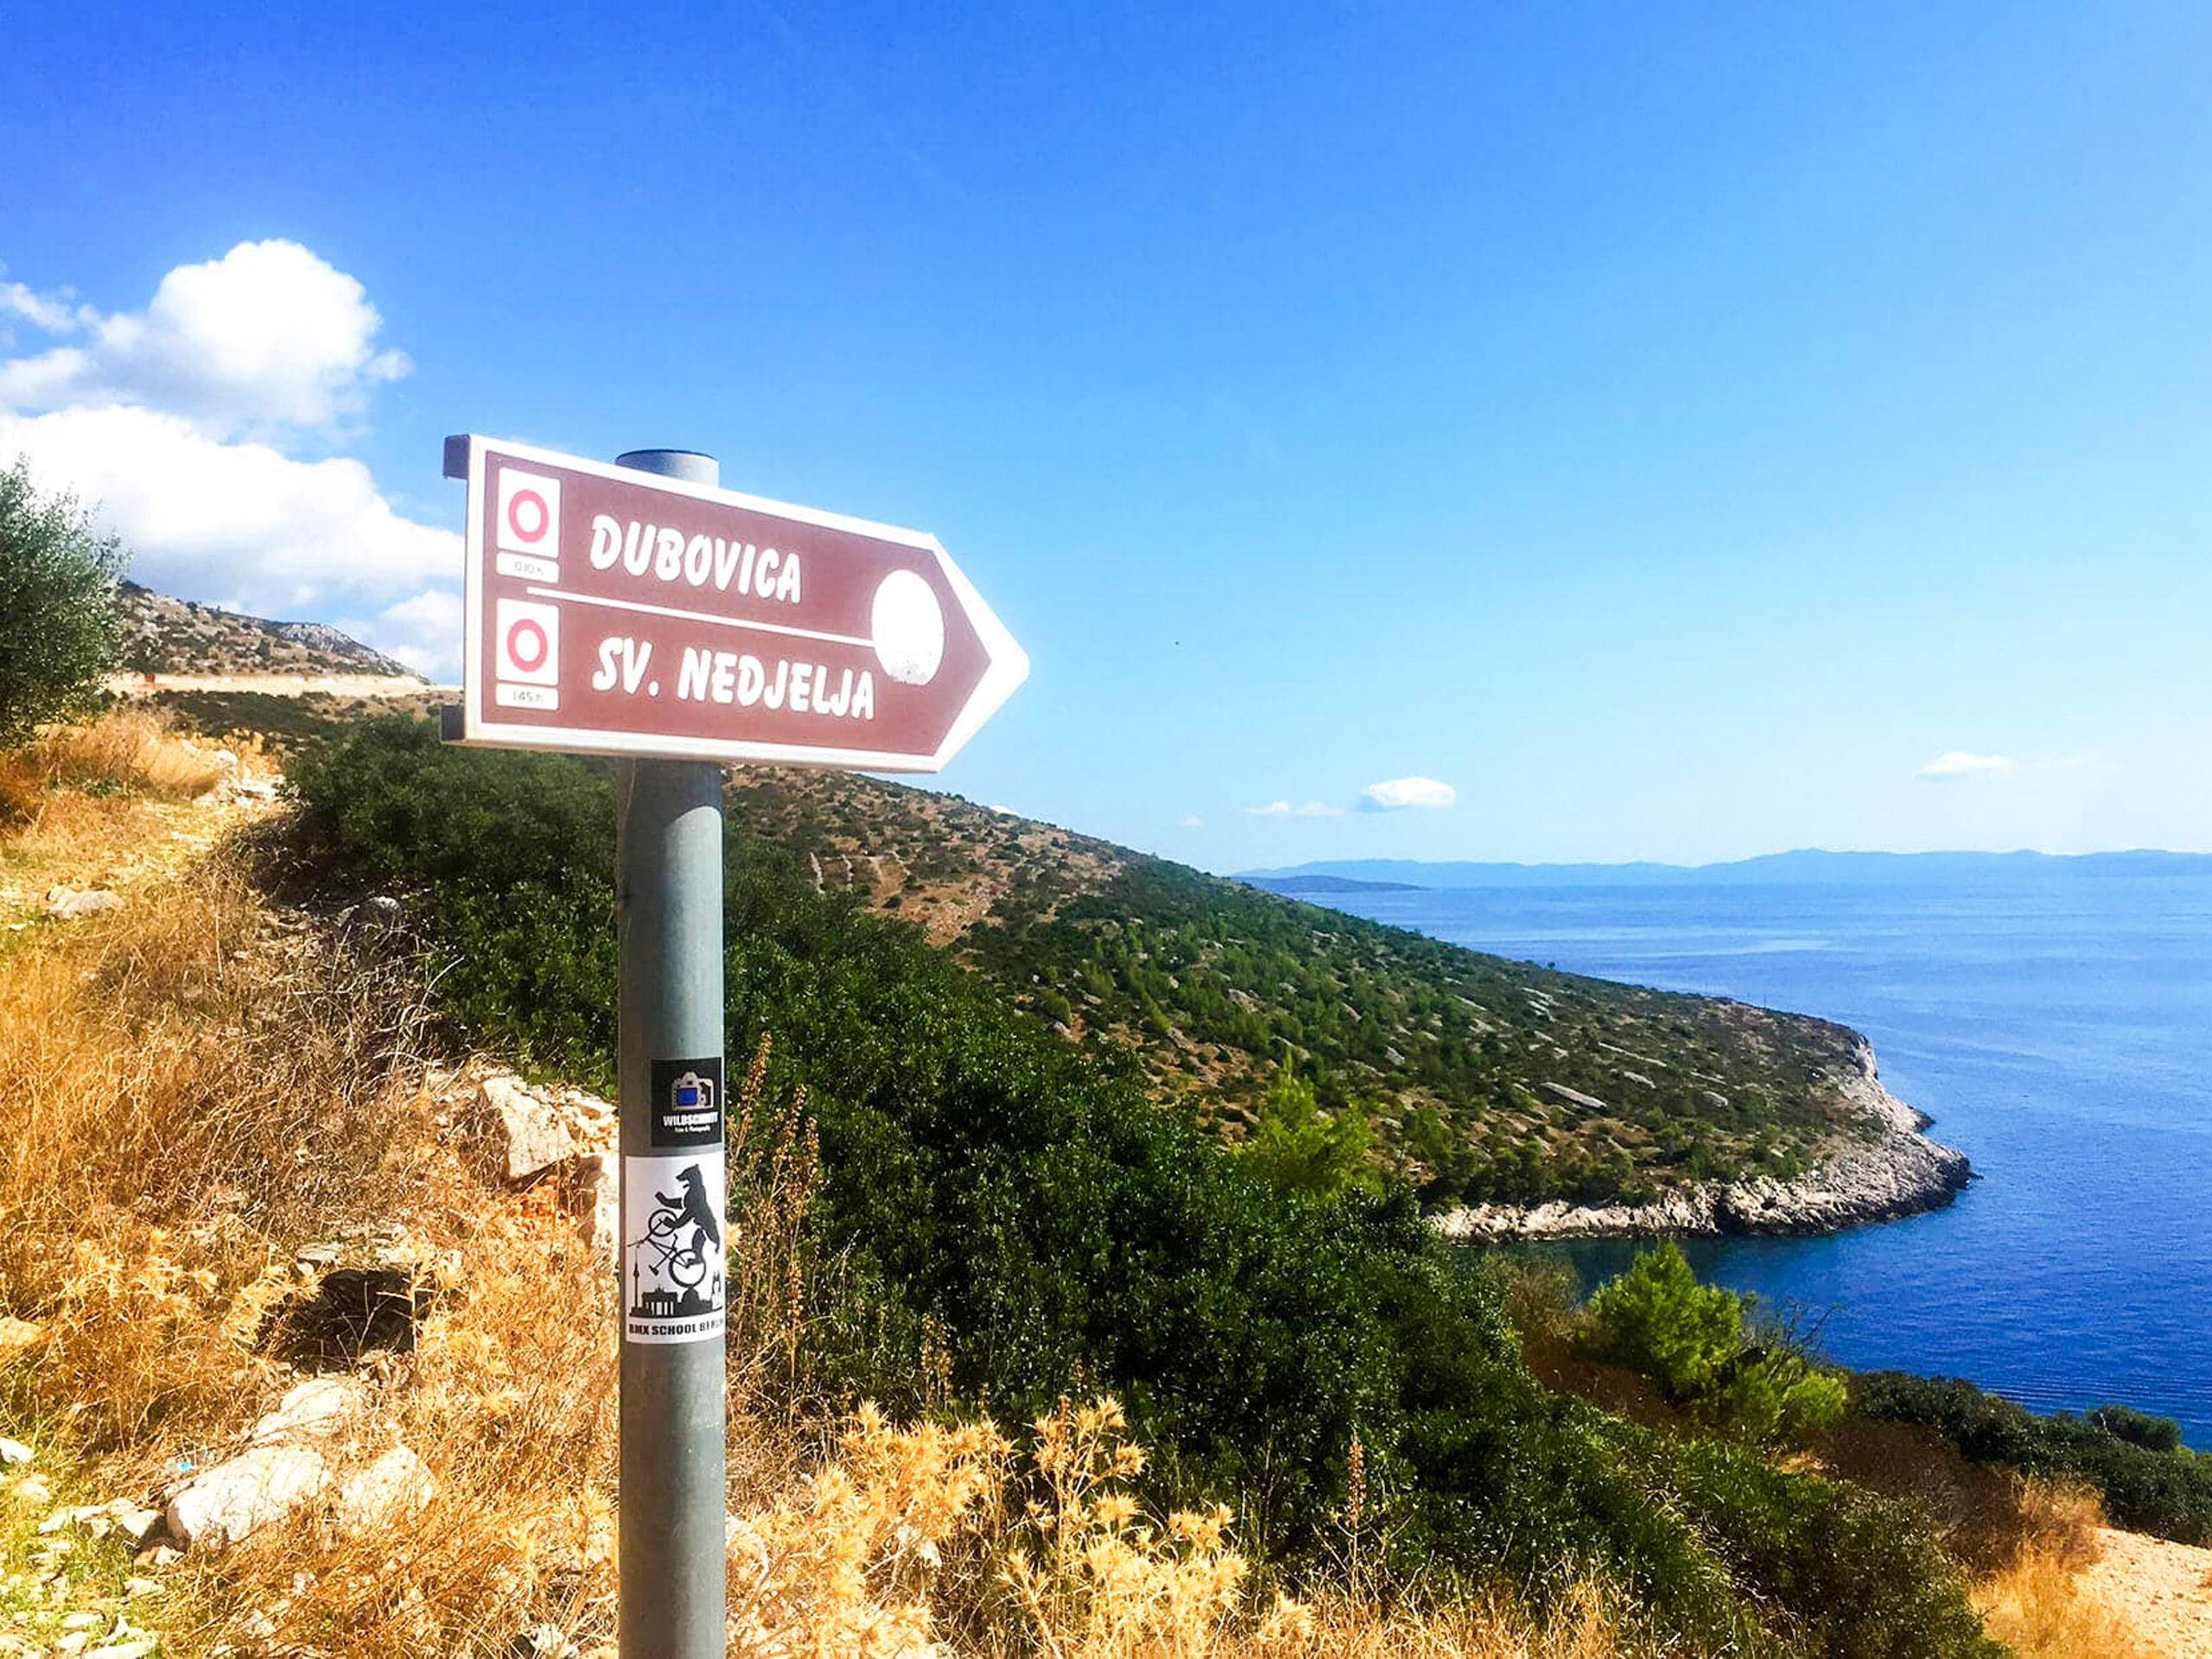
x=61, y=605
x=1657, y=1321
x=1862, y=1577
x=1302, y=1152
x=2138, y=1428
x=1773, y=1397
x=2168, y=1492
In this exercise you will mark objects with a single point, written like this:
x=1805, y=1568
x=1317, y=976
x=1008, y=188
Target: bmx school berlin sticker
x=672, y=1247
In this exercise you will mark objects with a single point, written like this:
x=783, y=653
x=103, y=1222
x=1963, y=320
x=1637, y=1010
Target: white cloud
x=52, y=313
x=180, y=427
x=266, y=339
x=239, y=520
x=1285, y=810
x=424, y=632
x=1191, y=821
x=1958, y=763
x=1398, y=793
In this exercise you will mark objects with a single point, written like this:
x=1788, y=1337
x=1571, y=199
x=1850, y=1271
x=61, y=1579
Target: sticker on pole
x=672, y=1247
x=686, y=1103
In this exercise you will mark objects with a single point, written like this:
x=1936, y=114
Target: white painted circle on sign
x=527, y=515
x=907, y=625
x=527, y=645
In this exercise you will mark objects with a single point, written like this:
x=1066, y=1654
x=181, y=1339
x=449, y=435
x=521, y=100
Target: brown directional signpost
x=614, y=612
x=636, y=610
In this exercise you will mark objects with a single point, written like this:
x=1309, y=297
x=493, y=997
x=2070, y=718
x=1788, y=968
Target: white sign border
x=1006, y=665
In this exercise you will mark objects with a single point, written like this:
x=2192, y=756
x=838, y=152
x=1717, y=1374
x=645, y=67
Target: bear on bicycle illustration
x=682, y=1240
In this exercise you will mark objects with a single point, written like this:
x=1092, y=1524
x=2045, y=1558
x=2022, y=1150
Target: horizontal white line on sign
x=701, y=616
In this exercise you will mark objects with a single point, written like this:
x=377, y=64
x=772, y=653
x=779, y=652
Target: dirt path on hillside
x=277, y=685
x=145, y=841
x=2163, y=1589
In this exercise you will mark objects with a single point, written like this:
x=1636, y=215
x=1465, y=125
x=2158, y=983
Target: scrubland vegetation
x=1021, y=1365
x=2147, y=1480
x=161, y=635
x=1484, y=1079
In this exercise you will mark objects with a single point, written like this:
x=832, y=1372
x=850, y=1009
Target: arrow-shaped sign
x=615, y=612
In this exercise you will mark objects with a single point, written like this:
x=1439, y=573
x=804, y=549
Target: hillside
x=163, y=635
x=289, y=1279
x=1487, y=1079
x=264, y=1219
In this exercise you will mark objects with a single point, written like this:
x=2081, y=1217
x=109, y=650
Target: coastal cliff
x=1894, y=1171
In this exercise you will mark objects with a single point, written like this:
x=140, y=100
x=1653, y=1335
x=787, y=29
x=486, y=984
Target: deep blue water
x=2058, y=1028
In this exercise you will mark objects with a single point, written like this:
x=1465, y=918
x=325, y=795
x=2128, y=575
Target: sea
x=2057, y=1026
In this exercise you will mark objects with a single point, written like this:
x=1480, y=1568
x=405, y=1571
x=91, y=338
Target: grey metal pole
x=669, y=919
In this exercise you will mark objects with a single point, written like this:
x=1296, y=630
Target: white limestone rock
x=67, y=903
x=390, y=1489
x=526, y=1135
x=234, y=1499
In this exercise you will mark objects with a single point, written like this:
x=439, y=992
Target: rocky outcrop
x=66, y=904
x=286, y=1464
x=1897, y=1172
x=517, y=1134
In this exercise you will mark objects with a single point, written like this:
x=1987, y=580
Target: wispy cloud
x=1395, y=794
x=1285, y=810
x=1958, y=763
x=1191, y=821
x=50, y=314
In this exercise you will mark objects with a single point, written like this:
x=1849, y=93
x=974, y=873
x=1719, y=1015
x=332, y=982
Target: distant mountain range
x=1768, y=869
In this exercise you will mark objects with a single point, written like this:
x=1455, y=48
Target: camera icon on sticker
x=691, y=1093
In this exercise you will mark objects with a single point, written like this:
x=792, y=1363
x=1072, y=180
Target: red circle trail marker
x=527, y=645
x=679, y=621
x=527, y=504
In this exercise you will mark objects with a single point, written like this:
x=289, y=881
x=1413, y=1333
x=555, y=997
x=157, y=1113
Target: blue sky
x=1679, y=430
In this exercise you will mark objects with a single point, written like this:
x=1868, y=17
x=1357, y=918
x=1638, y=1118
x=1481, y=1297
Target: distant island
x=1297, y=885
x=1807, y=866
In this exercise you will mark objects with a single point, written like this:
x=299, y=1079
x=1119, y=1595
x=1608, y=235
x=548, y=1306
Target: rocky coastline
x=1899, y=1172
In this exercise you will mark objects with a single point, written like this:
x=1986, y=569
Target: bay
x=2057, y=1027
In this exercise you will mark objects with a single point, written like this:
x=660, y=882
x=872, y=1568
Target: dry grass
x=128, y=750
x=2034, y=1599
x=2037, y=1607
x=186, y=1092
x=910, y=1541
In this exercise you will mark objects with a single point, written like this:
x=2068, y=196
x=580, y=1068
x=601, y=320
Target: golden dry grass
x=2037, y=1607
x=127, y=750
x=186, y=1092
